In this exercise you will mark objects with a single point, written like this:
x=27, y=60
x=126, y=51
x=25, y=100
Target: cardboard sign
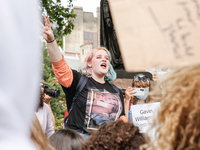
x=142, y=115
x=157, y=33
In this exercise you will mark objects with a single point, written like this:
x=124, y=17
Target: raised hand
x=52, y=47
x=129, y=93
x=47, y=32
x=47, y=99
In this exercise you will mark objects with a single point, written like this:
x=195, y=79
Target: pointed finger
x=128, y=88
x=48, y=21
x=133, y=92
x=49, y=24
x=45, y=20
x=41, y=30
x=41, y=24
x=131, y=89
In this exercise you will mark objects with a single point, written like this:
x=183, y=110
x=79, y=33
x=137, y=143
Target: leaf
x=60, y=15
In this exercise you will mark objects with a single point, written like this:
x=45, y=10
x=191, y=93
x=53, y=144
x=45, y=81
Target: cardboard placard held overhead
x=157, y=33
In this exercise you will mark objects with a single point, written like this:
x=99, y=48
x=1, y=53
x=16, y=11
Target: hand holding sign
x=142, y=115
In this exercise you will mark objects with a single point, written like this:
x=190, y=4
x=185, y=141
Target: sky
x=88, y=5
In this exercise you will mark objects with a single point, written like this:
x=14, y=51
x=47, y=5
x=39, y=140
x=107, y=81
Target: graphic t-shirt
x=96, y=104
x=102, y=107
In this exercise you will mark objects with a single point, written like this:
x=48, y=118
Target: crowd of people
x=99, y=115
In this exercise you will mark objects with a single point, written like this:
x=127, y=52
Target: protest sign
x=142, y=115
x=157, y=33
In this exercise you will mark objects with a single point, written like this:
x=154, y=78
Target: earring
x=90, y=71
x=107, y=74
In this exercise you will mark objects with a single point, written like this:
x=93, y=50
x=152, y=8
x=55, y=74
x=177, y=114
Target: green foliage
x=64, y=20
x=60, y=15
x=58, y=105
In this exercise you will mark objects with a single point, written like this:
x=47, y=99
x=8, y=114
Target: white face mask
x=143, y=97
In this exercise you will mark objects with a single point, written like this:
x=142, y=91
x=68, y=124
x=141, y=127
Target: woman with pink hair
x=91, y=107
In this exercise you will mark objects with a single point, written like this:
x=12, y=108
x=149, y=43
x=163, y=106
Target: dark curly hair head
x=41, y=98
x=116, y=135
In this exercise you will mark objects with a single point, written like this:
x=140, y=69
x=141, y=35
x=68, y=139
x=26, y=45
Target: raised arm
x=61, y=69
x=53, y=50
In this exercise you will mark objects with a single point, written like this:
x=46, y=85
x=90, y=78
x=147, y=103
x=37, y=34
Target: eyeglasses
x=138, y=78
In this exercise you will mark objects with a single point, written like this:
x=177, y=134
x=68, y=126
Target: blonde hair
x=39, y=137
x=178, y=121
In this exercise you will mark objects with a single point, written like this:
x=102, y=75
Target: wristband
x=51, y=41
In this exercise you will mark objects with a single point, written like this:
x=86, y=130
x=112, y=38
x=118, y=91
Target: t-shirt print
x=102, y=107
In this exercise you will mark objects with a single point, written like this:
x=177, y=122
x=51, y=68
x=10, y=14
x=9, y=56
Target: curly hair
x=178, y=120
x=84, y=70
x=41, y=98
x=115, y=135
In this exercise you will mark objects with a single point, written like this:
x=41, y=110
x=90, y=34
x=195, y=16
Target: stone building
x=85, y=35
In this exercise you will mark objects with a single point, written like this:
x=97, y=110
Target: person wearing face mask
x=139, y=81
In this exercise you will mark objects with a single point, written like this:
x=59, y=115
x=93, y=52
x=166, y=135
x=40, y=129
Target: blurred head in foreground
x=115, y=135
x=178, y=120
x=66, y=139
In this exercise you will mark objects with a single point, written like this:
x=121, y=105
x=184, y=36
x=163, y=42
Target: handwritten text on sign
x=142, y=115
x=164, y=33
x=178, y=31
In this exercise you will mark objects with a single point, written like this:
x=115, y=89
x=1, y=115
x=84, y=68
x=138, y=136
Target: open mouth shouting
x=104, y=65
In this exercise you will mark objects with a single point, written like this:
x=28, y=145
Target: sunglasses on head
x=138, y=78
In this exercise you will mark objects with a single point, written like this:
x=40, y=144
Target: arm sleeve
x=49, y=125
x=63, y=72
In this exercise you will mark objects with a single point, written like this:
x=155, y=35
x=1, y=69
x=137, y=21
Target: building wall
x=85, y=49
x=73, y=40
x=73, y=54
x=85, y=22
